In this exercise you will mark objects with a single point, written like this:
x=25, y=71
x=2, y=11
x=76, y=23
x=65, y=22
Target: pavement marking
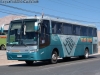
x=94, y=54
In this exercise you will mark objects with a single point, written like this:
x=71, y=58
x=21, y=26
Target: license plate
x=19, y=55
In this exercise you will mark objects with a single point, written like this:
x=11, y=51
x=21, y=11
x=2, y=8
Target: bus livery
x=47, y=38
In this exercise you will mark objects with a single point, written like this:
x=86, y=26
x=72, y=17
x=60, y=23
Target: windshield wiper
x=24, y=45
x=14, y=45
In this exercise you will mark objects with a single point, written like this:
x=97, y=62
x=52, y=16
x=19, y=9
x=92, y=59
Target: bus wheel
x=54, y=57
x=86, y=55
x=3, y=47
x=29, y=62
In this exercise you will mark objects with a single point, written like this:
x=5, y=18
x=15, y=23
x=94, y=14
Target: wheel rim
x=54, y=57
x=86, y=54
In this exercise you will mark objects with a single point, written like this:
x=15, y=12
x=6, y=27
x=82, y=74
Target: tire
x=86, y=55
x=3, y=47
x=54, y=57
x=29, y=62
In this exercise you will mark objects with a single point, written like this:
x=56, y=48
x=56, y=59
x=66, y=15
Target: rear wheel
x=29, y=62
x=86, y=54
x=54, y=57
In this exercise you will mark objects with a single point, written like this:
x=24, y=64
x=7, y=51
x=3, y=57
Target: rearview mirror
x=36, y=26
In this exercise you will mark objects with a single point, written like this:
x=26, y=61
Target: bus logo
x=69, y=45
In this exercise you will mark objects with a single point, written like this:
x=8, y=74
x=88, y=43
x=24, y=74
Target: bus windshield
x=22, y=33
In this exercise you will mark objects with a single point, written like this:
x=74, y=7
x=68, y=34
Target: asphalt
x=75, y=66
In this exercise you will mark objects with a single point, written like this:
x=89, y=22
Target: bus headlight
x=35, y=50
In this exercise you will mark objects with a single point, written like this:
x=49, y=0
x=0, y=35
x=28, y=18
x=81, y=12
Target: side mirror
x=36, y=26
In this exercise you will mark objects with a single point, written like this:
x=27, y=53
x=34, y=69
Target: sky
x=82, y=10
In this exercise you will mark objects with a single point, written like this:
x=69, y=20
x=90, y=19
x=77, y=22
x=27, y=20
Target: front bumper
x=23, y=56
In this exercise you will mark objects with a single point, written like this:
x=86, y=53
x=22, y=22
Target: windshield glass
x=22, y=33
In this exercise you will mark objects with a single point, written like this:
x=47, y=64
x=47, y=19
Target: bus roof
x=58, y=20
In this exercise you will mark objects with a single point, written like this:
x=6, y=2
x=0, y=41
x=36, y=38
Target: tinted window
x=44, y=35
x=83, y=31
x=76, y=30
x=90, y=31
x=56, y=27
x=59, y=28
x=46, y=24
x=67, y=29
x=95, y=32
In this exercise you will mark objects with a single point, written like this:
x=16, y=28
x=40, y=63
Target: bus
x=47, y=38
x=3, y=36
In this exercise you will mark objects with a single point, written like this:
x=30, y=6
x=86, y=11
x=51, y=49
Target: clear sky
x=85, y=10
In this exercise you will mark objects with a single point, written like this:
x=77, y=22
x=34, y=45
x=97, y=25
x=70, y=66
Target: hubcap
x=86, y=55
x=54, y=56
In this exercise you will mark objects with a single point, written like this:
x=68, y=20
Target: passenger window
x=59, y=28
x=76, y=30
x=90, y=31
x=67, y=28
x=84, y=31
x=56, y=27
x=95, y=32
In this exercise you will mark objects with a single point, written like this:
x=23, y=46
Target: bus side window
x=54, y=27
x=84, y=31
x=67, y=29
x=76, y=30
x=90, y=31
x=59, y=28
x=95, y=32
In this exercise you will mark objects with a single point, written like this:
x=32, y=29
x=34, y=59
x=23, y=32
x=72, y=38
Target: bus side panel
x=46, y=52
x=83, y=43
x=56, y=43
x=69, y=44
x=95, y=45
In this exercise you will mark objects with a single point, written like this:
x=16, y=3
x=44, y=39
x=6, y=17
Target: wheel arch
x=56, y=49
x=87, y=49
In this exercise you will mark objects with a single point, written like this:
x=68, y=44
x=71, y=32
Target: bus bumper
x=23, y=56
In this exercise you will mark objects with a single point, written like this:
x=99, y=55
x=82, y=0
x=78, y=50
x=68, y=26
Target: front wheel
x=54, y=57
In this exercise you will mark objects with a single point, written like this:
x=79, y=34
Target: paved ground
x=74, y=66
x=4, y=61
